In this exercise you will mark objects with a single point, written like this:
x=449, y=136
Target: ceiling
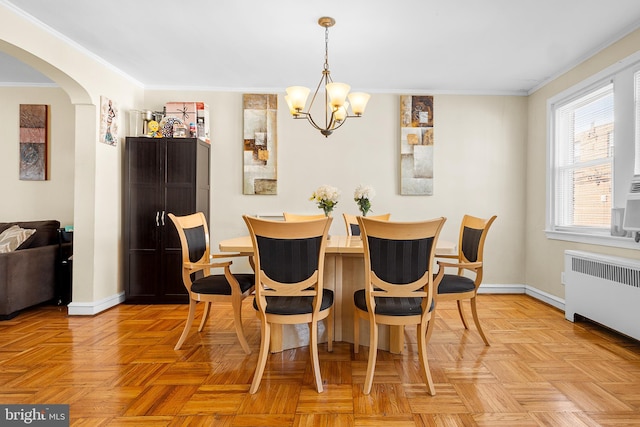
x=410, y=46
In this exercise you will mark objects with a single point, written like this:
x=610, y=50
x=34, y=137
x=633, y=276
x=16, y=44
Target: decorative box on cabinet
x=162, y=175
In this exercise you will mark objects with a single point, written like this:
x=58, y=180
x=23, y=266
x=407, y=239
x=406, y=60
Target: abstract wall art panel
x=260, y=144
x=34, y=142
x=108, y=121
x=416, y=145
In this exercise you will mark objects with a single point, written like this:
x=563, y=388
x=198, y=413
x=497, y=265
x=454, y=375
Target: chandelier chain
x=326, y=48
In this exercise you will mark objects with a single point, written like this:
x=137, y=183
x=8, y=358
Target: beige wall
x=479, y=164
x=36, y=200
x=97, y=172
x=489, y=159
x=544, y=257
x=479, y=157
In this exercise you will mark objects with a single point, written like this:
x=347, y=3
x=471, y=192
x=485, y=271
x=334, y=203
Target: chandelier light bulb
x=341, y=112
x=297, y=97
x=359, y=102
x=338, y=94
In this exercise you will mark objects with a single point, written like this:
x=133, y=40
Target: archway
x=84, y=129
x=77, y=93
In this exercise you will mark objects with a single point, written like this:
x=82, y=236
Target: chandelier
x=335, y=95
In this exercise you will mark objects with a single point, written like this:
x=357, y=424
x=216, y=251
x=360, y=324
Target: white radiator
x=604, y=289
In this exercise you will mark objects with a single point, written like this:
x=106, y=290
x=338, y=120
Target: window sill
x=594, y=239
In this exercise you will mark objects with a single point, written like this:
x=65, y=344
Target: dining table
x=344, y=274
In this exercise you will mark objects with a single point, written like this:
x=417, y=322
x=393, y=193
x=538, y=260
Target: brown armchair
x=197, y=258
x=351, y=222
x=458, y=287
x=289, y=266
x=295, y=217
x=399, y=284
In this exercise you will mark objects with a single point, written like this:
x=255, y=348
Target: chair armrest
x=235, y=255
x=437, y=278
x=453, y=256
x=196, y=266
x=466, y=265
x=228, y=255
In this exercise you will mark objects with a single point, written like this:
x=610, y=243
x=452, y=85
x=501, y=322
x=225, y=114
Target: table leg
x=396, y=339
x=275, y=345
x=337, y=293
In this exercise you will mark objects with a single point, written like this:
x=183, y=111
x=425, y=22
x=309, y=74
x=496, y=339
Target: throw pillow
x=13, y=237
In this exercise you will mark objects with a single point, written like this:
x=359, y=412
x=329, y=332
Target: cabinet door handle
x=162, y=218
x=157, y=216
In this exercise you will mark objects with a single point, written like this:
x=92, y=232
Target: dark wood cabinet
x=162, y=175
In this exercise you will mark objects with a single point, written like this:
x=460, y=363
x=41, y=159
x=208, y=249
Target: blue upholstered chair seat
x=217, y=284
x=391, y=306
x=454, y=284
x=296, y=304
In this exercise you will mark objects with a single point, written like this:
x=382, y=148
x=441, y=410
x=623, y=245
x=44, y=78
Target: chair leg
x=315, y=361
x=476, y=319
x=205, y=315
x=462, y=317
x=187, y=326
x=373, y=353
x=356, y=331
x=237, y=321
x=330, y=332
x=431, y=326
x=262, y=357
x=423, y=339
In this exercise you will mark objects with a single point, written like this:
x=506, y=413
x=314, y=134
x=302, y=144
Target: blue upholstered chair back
x=471, y=243
x=289, y=260
x=196, y=239
x=400, y=261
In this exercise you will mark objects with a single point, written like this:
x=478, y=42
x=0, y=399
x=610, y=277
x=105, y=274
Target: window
x=594, y=135
x=584, y=160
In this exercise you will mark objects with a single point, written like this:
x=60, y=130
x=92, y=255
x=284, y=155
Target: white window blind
x=583, y=160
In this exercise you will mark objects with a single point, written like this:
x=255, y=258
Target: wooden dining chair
x=399, y=284
x=289, y=266
x=351, y=222
x=295, y=217
x=458, y=287
x=197, y=258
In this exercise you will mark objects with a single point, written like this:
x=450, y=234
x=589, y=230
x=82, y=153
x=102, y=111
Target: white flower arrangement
x=326, y=197
x=363, y=196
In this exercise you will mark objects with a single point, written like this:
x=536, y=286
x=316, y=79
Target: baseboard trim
x=545, y=297
x=95, y=307
x=92, y=308
x=487, y=288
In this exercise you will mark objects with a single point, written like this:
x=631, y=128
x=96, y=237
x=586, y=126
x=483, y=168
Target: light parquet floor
x=119, y=369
